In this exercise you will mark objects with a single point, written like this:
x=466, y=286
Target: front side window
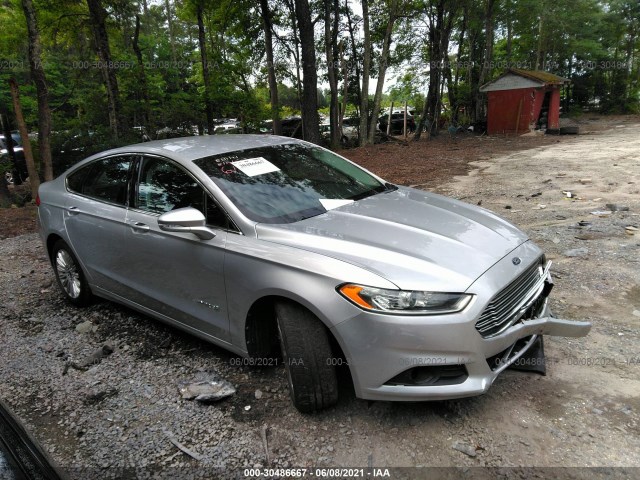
x=105, y=179
x=164, y=186
x=287, y=183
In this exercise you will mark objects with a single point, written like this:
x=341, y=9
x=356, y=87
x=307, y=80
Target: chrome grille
x=503, y=310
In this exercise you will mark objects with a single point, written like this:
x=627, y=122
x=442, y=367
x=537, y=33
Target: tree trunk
x=384, y=59
x=510, y=13
x=271, y=68
x=463, y=30
x=354, y=55
x=142, y=76
x=98, y=16
x=34, y=179
x=39, y=78
x=485, y=71
x=5, y=195
x=366, y=67
x=330, y=39
x=453, y=84
x=345, y=86
x=539, y=51
x=172, y=40
x=310, y=119
x=202, y=41
x=296, y=51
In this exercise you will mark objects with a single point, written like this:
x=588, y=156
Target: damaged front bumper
x=443, y=357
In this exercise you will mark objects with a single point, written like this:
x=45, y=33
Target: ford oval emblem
x=516, y=260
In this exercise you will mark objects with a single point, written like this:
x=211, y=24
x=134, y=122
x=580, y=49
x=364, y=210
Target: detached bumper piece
x=527, y=354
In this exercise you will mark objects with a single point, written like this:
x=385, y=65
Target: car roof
x=188, y=149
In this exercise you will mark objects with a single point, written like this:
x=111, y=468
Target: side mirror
x=185, y=220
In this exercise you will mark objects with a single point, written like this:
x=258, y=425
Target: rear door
x=95, y=218
x=176, y=274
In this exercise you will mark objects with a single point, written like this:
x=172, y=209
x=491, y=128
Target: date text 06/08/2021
x=316, y=472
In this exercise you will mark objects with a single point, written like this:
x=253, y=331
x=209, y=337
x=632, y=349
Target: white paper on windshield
x=255, y=166
x=331, y=203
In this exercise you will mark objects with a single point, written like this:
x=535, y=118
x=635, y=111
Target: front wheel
x=69, y=275
x=306, y=352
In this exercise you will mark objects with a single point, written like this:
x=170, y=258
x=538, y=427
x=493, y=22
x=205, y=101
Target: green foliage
x=594, y=43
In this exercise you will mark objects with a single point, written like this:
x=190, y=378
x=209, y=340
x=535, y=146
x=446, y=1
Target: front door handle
x=139, y=226
x=73, y=210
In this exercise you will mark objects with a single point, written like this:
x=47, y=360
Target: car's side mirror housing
x=186, y=220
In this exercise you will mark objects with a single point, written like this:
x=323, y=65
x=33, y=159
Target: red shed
x=521, y=100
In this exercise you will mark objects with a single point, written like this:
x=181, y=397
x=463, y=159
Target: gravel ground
x=124, y=416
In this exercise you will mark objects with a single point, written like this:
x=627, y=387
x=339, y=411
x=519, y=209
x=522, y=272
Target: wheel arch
x=261, y=330
x=51, y=241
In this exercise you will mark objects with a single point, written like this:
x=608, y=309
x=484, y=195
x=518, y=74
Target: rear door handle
x=73, y=210
x=139, y=226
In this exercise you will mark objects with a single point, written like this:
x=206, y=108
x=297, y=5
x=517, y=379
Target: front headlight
x=404, y=302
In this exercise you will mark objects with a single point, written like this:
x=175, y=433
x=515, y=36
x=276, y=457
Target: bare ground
x=584, y=413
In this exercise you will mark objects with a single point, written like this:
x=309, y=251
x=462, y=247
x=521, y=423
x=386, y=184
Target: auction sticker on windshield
x=255, y=166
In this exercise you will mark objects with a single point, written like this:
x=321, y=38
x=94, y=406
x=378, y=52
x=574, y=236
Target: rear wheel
x=69, y=275
x=306, y=352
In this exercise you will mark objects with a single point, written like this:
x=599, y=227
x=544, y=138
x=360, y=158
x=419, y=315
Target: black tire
x=307, y=356
x=69, y=274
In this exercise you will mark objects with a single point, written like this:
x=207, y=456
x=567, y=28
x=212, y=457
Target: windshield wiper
x=387, y=187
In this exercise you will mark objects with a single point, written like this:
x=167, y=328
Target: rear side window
x=105, y=179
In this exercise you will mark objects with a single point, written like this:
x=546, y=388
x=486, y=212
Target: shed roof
x=517, y=78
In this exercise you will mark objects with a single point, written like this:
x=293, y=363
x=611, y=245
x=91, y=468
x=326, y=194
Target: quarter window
x=105, y=179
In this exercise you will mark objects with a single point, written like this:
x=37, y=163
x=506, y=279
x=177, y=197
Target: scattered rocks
x=96, y=397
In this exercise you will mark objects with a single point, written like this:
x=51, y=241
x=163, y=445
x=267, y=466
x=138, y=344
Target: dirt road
x=124, y=412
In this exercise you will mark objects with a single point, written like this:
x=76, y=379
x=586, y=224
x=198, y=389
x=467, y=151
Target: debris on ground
x=576, y=252
x=464, y=448
x=94, y=359
x=206, y=390
x=182, y=448
x=86, y=327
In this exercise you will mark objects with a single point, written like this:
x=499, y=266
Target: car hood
x=415, y=239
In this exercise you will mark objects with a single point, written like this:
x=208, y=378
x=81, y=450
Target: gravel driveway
x=104, y=414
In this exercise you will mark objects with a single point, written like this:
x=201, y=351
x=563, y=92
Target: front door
x=175, y=274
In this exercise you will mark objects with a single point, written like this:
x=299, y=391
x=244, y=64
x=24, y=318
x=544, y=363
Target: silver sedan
x=279, y=250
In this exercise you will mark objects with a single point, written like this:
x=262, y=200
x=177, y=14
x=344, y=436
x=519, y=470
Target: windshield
x=287, y=183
